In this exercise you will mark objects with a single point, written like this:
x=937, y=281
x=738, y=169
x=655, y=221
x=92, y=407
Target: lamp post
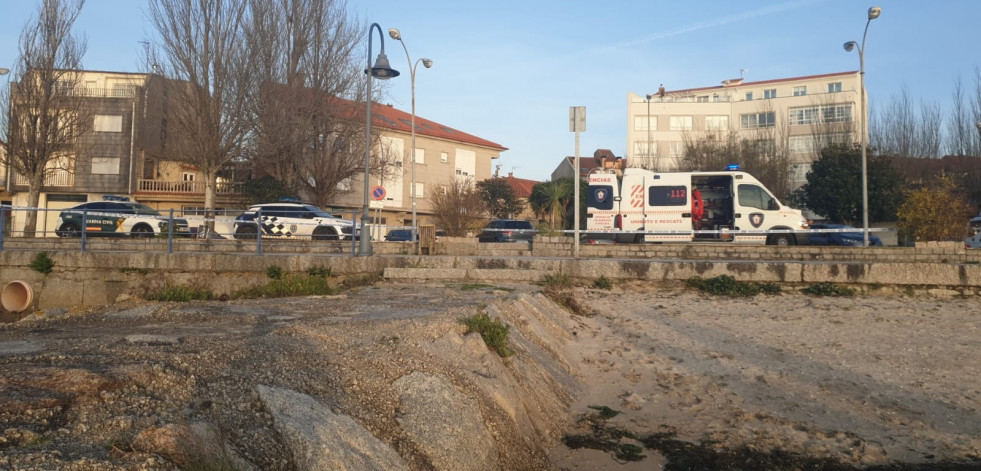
x=874, y=13
x=6, y=160
x=396, y=35
x=383, y=71
x=649, y=143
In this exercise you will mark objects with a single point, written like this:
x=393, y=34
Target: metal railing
x=188, y=187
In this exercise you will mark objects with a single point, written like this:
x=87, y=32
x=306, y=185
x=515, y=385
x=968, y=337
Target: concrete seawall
x=100, y=277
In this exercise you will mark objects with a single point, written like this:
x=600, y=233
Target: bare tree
x=929, y=135
x=201, y=49
x=47, y=115
x=962, y=135
x=310, y=104
x=458, y=206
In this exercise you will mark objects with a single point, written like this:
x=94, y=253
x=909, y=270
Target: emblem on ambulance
x=600, y=195
x=756, y=219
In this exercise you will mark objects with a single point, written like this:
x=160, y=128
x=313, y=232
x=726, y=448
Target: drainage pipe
x=17, y=296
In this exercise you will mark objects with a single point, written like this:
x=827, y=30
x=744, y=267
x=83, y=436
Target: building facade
x=798, y=115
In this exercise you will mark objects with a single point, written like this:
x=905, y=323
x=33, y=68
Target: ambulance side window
x=600, y=197
x=755, y=197
x=668, y=196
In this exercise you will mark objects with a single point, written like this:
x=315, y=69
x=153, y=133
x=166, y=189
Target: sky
x=508, y=71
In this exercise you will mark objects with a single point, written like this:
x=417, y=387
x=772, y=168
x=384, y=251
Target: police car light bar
x=732, y=167
x=114, y=198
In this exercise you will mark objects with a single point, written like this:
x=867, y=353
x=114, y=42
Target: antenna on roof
x=497, y=171
x=742, y=72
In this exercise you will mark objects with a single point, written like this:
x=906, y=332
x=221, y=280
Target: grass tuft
x=493, y=331
x=725, y=285
x=828, y=289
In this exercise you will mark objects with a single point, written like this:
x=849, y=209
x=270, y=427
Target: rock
x=151, y=339
x=320, y=439
x=196, y=444
x=444, y=424
x=19, y=347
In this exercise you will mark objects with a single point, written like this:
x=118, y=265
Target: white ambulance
x=730, y=206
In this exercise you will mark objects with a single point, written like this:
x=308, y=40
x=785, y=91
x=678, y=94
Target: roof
x=522, y=187
x=760, y=82
x=389, y=117
x=588, y=164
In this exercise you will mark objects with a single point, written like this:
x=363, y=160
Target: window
x=104, y=123
x=757, y=120
x=645, y=123
x=753, y=196
x=717, y=123
x=702, y=99
x=444, y=157
x=800, y=91
x=668, y=196
x=600, y=197
x=770, y=93
x=834, y=87
x=420, y=156
x=105, y=165
x=801, y=144
x=344, y=185
x=805, y=115
x=677, y=149
x=188, y=177
x=681, y=123
x=645, y=148
x=420, y=190
x=749, y=96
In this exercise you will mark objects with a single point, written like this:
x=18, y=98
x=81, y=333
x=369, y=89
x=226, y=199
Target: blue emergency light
x=732, y=167
x=114, y=198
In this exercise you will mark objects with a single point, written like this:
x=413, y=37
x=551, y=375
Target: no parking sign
x=378, y=193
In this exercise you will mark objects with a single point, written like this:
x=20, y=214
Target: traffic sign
x=378, y=193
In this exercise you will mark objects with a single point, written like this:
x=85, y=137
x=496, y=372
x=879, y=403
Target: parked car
x=973, y=239
x=846, y=238
x=507, y=230
x=116, y=215
x=405, y=235
x=292, y=220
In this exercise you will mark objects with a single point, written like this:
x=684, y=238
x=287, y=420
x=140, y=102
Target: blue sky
x=508, y=71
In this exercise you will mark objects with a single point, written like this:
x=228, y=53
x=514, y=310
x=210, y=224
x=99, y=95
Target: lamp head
x=850, y=45
x=649, y=96
x=4, y=71
x=395, y=34
x=382, y=70
x=874, y=12
x=427, y=63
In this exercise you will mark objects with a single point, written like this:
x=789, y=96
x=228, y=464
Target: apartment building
x=442, y=155
x=798, y=114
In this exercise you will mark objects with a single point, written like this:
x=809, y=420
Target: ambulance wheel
x=142, y=230
x=324, y=233
x=69, y=229
x=781, y=240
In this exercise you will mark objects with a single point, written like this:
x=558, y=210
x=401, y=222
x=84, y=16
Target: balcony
x=185, y=188
x=54, y=178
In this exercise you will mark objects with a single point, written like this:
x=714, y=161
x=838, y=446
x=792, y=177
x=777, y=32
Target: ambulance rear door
x=602, y=202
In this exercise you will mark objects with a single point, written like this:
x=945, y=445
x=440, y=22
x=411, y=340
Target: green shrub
x=323, y=272
x=493, y=331
x=274, y=271
x=828, y=289
x=42, y=263
x=557, y=280
x=289, y=285
x=180, y=293
x=725, y=285
x=603, y=283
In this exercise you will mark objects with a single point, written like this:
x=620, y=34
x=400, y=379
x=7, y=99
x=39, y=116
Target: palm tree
x=551, y=198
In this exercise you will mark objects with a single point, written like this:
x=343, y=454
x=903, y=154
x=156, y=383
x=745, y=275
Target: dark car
x=117, y=215
x=507, y=230
x=839, y=234
x=405, y=235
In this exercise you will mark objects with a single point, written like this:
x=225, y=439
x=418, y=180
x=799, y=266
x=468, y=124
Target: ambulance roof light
x=732, y=167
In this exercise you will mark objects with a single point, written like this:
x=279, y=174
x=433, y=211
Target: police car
x=292, y=220
x=116, y=215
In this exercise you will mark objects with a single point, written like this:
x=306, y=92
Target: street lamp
x=395, y=34
x=382, y=71
x=874, y=13
x=648, y=156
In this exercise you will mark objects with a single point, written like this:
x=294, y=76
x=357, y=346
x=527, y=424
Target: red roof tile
x=522, y=187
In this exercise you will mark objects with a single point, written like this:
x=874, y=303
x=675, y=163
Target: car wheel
x=245, y=232
x=324, y=233
x=69, y=229
x=781, y=240
x=142, y=230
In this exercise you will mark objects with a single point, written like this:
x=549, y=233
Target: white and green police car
x=116, y=215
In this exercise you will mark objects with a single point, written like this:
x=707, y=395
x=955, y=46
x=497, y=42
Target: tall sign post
x=577, y=124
